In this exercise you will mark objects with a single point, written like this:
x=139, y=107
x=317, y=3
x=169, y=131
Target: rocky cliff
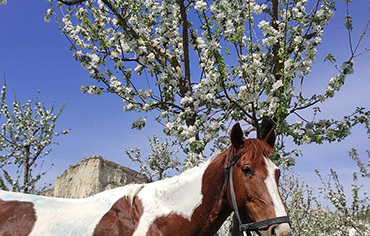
x=93, y=175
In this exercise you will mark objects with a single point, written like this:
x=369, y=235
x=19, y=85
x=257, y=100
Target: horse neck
x=194, y=201
x=215, y=207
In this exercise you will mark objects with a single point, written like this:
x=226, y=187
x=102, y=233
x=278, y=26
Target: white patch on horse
x=73, y=217
x=273, y=189
x=179, y=195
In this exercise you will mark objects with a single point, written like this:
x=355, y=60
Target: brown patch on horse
x=16, y=218
x=121, y=219
x=207, y=217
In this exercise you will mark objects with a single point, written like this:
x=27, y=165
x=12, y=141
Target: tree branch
x=36, y=155
x=304, y=107
x=301, y=117
x=71, y=3
x=185, y=83
x=349, y=30
x=359, y=41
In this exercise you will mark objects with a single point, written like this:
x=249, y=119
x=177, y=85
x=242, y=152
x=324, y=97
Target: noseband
x=247, y=227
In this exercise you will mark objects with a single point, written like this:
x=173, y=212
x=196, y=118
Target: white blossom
x=151, y=57
x=139, y=123
x=274, y=104
x=277, y=85
x=298, y=39
x=200, y=5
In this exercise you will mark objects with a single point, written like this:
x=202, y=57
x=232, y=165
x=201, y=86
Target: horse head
x=253, y=185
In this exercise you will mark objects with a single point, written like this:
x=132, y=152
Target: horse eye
x=247, y=171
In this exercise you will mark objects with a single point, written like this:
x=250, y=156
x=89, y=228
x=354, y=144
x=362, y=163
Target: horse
x=242, y=179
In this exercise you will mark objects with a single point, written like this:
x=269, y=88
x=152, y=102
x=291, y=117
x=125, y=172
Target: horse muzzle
x=280, y=230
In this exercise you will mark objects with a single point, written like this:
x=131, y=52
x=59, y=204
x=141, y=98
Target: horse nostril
x=273, y=231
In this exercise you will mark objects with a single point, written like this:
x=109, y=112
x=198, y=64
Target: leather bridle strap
x=228, y=177
x=263, y=223
x=248, y=227
x=233, y=197
x=229, y=167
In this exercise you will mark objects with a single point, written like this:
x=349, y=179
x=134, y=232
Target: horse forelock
x=256, y=149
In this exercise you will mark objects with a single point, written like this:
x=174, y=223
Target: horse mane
x=132, y=191
x=216, y=154
x=177, y=179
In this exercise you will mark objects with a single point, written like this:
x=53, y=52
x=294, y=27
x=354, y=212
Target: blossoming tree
x=200, y=64
x=157, y=165
x=25, y=136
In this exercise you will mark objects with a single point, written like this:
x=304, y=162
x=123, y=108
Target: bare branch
x=349, y=30
x=361, y=53
x=185, y=83
x=71, y=3
x=359, y=41
x=296, y=108
x=300, y=117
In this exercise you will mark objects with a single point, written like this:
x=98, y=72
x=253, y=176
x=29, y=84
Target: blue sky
x=35, y=56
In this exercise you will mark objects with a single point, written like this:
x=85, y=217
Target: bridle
x=247, y=227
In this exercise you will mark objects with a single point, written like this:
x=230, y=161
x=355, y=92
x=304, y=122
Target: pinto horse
x=195, y=203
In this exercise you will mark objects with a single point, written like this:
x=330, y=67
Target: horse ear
x=270, y=138
x=237, y=136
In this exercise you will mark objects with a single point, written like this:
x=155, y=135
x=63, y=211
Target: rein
x=247, y=227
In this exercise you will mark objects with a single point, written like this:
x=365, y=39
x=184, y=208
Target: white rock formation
x=93, y=175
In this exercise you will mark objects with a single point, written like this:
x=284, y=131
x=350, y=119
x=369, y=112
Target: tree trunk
x=265, y=127
x=26, y=169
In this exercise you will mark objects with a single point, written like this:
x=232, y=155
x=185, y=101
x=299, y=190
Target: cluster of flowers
x=272, y=53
